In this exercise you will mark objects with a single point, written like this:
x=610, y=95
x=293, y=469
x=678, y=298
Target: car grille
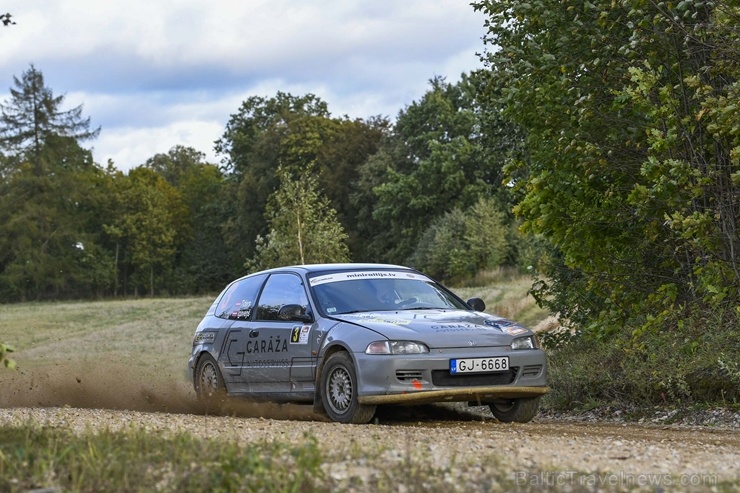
x=443, y=378
x=406, y=375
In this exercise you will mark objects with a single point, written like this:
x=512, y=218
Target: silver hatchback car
x=350, y=337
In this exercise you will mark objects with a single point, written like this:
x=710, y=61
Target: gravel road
x=547, y=452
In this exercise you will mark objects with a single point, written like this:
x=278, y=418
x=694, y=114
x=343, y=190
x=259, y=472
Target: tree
x=293, y=133
x=150, y=221
x=461, y=243
x=202, y=261
x=48, y=240
x=34, y=115
x=252, y=149
x=303, y=227
x=178, y=163
x=436, y=158
x=630, y=168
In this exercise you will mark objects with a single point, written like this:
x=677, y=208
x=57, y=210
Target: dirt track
x=545, y=452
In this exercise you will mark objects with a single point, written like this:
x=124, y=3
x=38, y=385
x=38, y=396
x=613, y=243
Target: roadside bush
x=691, y=359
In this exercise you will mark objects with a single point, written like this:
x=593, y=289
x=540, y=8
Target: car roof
x=326, y=268
x=313, y=268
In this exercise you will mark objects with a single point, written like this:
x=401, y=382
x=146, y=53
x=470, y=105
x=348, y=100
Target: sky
x=158, y=73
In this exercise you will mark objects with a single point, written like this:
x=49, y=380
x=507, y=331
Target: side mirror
x=477, y=304
x=293, y=313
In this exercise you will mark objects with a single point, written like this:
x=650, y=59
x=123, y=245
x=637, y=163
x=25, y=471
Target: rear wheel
x=516, y=410
x=339, y=391
x=209, y=383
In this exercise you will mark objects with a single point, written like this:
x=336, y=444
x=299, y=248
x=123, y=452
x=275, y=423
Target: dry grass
x=140, y=331
x=506, y=294
x=128, y=354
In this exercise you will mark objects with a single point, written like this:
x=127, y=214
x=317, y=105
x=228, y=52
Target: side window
x=280, y=290
x=238, y=300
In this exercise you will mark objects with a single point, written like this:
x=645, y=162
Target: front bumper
x=470, y=394
x=425, y=378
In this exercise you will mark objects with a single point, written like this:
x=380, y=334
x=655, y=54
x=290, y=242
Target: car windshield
x=352, y=292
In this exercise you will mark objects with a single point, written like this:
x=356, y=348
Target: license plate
x=479, y=365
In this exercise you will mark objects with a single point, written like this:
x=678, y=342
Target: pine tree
x=33, y=115
x=49, y=197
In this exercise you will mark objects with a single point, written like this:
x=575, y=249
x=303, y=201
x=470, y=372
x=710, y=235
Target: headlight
x=396, y=347
x=528, y=342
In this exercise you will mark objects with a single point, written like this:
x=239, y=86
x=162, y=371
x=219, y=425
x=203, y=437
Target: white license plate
x=479, y=365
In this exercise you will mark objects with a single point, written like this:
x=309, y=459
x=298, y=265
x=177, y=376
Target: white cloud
x=151, y=72
x=129, y=147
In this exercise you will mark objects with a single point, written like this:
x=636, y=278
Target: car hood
x=440, y=328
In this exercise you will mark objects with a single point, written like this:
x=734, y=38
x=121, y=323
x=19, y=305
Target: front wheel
x=516, y=410
x=339, y=391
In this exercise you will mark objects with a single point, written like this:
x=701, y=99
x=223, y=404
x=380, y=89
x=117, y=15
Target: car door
x=279, y=346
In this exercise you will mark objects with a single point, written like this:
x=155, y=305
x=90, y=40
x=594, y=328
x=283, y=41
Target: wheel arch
x=199, y=356
x=338, y=347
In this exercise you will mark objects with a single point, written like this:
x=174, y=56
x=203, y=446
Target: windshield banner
x=351, y=276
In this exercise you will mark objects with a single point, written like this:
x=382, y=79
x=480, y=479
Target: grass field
x=132, y=354
x=117, y=354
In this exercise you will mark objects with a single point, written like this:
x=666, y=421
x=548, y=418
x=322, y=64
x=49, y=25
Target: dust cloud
x=118, y=386
x=123, y=387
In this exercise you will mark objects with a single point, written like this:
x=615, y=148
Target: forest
x=598, y=149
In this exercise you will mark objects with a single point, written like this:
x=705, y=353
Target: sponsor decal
x=299, y=334
x=269, y=363
x=500, y=323
x=204, y=338
x=380, y=320
x=348, y=276
x=243, y=310
x=514, y=330
x=259, y=346
x=457, y=328
x=507, y=326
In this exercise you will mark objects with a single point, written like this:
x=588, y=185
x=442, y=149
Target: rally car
x=350, y=337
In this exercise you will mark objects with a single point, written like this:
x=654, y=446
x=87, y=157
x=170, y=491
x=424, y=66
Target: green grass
x=32, y=457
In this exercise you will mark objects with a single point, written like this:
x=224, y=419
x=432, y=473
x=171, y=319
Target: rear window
x=238, y=301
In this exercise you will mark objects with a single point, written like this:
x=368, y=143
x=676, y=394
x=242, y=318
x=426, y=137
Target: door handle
x=254, y=333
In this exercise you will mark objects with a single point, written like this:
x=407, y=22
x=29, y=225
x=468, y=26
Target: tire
x=516, y=410
x=209, y=383
x=339, y=391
